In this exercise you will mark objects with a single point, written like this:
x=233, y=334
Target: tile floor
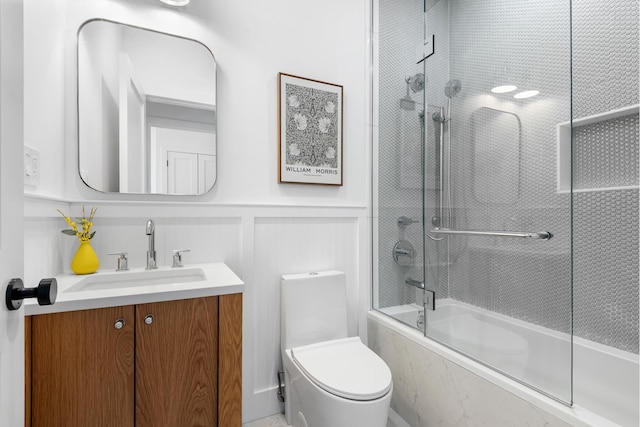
x=272, y=421
x=279, y=421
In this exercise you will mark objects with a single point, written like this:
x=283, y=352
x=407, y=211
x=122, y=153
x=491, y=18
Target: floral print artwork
x=311, y=127
x=300, y=121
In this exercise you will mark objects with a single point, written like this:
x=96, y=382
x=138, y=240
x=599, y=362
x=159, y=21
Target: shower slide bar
x=540, y=235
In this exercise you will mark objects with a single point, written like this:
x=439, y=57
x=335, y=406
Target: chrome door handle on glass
x=540, y=235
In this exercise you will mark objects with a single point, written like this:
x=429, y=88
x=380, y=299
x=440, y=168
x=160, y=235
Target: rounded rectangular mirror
x=146, y=111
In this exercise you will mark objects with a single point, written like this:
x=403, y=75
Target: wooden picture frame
x=309, y=131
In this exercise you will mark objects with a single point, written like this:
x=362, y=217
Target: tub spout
x=412, y=282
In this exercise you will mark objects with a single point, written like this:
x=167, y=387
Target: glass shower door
x=497, y=218
x=398, y=165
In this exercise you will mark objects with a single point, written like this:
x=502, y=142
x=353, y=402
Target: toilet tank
x=313, y=308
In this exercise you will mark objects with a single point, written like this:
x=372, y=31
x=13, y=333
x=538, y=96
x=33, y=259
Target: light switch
x=31, y=166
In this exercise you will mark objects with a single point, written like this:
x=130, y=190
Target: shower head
x=416, y=82
x=452, y=88
x=407, y=104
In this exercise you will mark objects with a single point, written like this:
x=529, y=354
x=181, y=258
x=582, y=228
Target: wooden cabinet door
x=177, y=363
x=230, y=361
x=82, y=368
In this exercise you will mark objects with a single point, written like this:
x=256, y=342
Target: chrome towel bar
x=540, y=235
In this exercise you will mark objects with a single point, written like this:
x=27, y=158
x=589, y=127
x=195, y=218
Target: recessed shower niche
x=605, y=151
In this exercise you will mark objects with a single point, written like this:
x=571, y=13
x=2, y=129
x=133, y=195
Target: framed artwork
x=309, y=131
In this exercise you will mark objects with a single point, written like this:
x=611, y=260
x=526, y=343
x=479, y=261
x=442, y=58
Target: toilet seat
x=344, y=367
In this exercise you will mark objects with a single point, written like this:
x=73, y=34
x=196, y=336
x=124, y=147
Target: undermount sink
x=111, y=288
x=129, y=279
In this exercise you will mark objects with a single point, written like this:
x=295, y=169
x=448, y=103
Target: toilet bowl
x=331, y=379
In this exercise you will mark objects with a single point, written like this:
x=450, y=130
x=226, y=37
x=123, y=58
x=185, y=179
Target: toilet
x=331, y=379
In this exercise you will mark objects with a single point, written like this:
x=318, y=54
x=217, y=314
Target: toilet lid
x=345, y=367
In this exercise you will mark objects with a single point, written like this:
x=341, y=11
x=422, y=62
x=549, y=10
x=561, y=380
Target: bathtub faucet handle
x=403, y=221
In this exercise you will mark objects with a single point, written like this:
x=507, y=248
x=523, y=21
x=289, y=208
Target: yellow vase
x=85, y=261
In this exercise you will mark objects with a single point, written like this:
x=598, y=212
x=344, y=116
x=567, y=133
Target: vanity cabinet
x=82, y=368
x=173, y=363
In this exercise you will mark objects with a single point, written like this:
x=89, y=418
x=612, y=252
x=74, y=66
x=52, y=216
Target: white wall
x=262, y=229
x=252, y=42
x=44, y=97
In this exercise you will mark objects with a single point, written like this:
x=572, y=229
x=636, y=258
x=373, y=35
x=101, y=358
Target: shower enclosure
x=470, y=218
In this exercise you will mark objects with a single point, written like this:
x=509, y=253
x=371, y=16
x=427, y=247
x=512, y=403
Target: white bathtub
x=606, y=391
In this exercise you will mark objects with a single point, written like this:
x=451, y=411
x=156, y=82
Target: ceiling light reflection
x=176, y=2
x=526, y=94
x=504, y=89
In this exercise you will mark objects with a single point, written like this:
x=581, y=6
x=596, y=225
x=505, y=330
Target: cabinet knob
x=119, y=324
x=148, y=319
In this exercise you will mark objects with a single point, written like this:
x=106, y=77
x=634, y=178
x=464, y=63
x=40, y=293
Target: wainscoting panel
x=282, y=246
x=259, y=243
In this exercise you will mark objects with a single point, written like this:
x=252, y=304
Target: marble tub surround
x=430, y=390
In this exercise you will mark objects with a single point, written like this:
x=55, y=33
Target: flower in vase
x=81, y=227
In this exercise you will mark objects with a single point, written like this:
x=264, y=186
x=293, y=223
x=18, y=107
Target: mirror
x=146, y=111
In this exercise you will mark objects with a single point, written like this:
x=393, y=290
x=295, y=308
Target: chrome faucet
x=151, y=253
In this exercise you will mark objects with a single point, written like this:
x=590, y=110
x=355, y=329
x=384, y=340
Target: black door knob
x=45, y=292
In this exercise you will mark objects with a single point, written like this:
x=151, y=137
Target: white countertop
x=74, y=293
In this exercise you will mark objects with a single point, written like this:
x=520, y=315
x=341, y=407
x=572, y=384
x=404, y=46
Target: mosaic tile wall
x=605, y=78
x=530, y=280
x=526, y=44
